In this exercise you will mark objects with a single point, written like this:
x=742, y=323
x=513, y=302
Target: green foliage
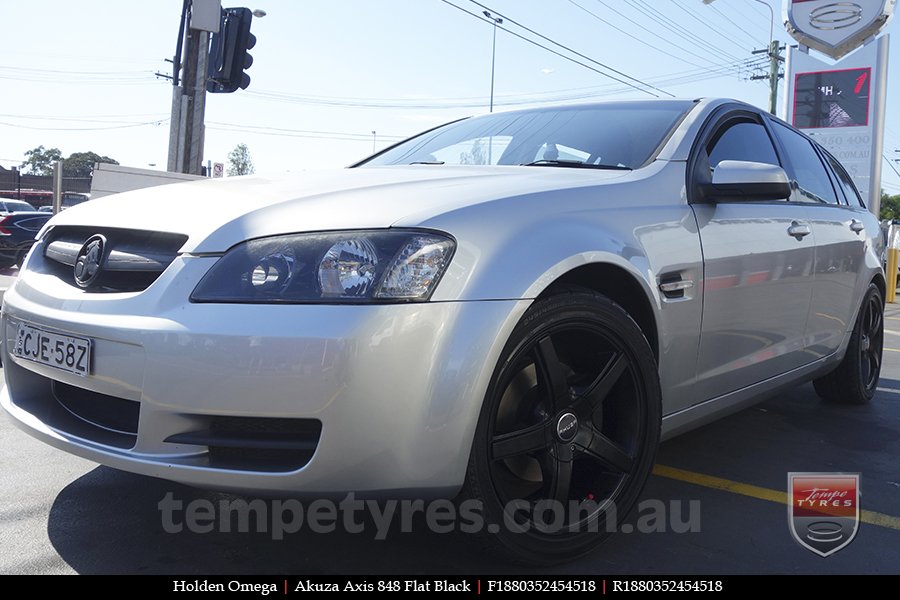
x=890, y=206
x=81, y=164
x=239, y=161
x=39, y=161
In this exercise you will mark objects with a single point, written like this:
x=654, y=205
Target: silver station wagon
x=514, y=309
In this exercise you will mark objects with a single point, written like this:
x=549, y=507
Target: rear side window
x=846, y=183
x=813, y=183
x=742, y=141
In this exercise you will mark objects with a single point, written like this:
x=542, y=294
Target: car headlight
x=343, y=267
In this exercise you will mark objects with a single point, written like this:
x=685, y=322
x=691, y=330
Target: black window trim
x=772, y=120
x=719, y=120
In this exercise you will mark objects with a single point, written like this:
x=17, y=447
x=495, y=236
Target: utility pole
x=186, y=131
x=775, y=60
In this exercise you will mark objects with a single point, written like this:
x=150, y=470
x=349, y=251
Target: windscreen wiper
x=574, y=164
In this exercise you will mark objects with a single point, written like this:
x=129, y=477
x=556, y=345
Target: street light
x=496, y=21
x=374, y=140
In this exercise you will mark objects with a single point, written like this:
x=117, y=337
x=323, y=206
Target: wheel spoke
x=599, y=389
x=522, y=441
x=558, y=474
x=609, y=453
x=551, y=372
x=875, y=328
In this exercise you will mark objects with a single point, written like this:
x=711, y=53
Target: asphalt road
x=61, y=514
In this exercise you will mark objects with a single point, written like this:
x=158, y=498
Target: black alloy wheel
x=569, y=429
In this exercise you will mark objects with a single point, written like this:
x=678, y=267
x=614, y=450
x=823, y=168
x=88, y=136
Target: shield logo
x=836, y=28
x=823, y=511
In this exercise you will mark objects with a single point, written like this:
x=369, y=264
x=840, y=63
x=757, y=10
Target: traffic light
x=228, y=56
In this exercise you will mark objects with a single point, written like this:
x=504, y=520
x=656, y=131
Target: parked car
x=68, y=200
x=10, y=206
x=17, y=231
x=514, y=308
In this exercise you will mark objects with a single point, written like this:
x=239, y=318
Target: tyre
x=568, y=431
x=20, y=256
x=856, y=377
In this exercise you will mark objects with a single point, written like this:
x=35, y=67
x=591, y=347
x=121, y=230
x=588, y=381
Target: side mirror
x=739, y=180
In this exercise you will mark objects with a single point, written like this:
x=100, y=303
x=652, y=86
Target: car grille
x=132, y=261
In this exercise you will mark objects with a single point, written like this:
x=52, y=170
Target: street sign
x=837, y=28
x=218, y=170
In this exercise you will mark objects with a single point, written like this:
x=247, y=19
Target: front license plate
x=72, y=354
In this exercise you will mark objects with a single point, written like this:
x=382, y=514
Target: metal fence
x=11, y=180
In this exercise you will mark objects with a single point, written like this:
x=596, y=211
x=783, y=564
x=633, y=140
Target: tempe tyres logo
x=824, y=510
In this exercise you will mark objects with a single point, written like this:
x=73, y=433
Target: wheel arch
x=620, y=286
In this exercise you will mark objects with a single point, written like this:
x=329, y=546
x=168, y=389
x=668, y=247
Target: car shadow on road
x=109, y=521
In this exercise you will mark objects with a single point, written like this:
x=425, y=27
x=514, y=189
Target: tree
x=475, y=156
x=39, y=161
x=890, y=206
x=239, y=161
x=81, y=164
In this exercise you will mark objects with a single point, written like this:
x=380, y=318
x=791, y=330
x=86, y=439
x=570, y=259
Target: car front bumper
x=396, y=389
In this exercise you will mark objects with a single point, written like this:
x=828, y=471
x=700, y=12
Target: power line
x=552, y=51
x=671, y=43
x=360, y=136
x=736, y=26
x=680, y=31
x=76, y=120
x=470, y=102
x=632, y=36
x=568, y=49
x=84, y=128
x=692, y=14
x=754, y=19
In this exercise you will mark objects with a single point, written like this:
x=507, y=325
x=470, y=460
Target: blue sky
x=326, y=74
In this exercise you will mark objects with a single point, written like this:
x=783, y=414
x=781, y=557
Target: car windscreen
x=613, y=135
x=18, y=206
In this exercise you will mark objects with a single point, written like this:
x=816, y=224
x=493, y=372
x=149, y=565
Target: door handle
x=799, y=230
x=856, y=226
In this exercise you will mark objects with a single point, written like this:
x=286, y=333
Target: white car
x=515, y=307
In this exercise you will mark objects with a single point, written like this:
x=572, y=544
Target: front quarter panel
x=516, y=248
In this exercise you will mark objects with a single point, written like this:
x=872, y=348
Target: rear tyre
x=855, y=379
x=568, y=431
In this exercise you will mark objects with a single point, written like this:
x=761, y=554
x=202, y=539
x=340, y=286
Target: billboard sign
x=836, y=28
x=842, y=107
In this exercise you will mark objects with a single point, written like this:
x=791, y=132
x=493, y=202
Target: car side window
x=813, y=183
x=846, y=183
x=743, y=140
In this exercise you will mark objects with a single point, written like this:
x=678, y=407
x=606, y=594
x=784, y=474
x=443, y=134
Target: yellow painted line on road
x=893, y=318
x=891, y=349
x=760, y=493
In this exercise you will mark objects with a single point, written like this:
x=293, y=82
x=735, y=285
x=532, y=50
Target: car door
x=838, y=223
x=758, y=259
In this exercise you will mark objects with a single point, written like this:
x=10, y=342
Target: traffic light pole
x=186, y=131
